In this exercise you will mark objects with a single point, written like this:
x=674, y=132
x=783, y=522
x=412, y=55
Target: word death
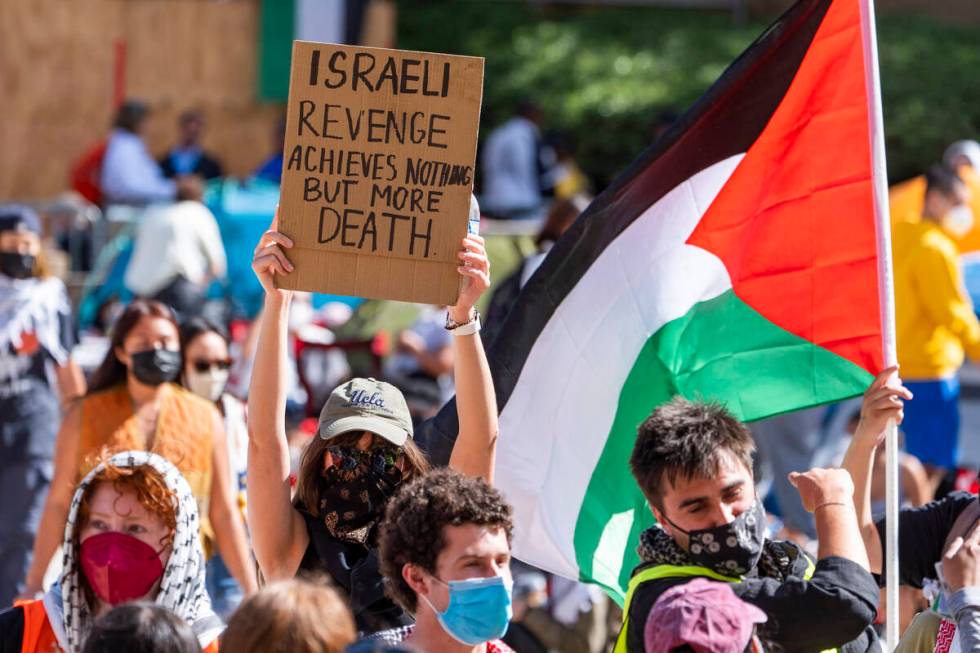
x=367, y=231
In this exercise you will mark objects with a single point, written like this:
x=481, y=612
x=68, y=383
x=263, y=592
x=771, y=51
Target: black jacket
x=834, y=609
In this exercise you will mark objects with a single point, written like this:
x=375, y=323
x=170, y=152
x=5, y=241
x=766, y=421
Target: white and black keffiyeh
x=37, y=306
x=182, y=588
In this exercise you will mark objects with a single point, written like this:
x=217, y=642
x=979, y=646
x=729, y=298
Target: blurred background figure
x=178, y=252
x=129, y=174
x=291, y=616
x=271, y=168
x=188, y=157
x=140, y=627
x=512, y=166
x=37, y=378
x=561, y=215
x=422, y=364
x=935, y=322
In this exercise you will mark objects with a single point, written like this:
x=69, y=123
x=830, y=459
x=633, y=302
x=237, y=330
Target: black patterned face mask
x=731, y=549
x=355, y=490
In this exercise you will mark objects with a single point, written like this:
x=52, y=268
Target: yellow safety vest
x=679, y=571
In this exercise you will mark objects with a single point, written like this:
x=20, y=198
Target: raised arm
x=882, y=403
x=226, y=518
x=476, y=404
x=279, y=535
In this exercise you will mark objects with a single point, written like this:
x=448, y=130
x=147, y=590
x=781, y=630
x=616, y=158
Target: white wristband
x=467, y=329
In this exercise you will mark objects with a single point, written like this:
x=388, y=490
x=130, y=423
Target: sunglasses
x=378, y=457
x=202, y=365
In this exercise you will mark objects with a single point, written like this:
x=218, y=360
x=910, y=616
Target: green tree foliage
x=603, y=75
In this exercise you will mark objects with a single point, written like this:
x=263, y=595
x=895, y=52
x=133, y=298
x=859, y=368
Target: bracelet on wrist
x=832, y=503
x=467, y=328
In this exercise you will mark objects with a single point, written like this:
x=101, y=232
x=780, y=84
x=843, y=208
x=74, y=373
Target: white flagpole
x=887, y=302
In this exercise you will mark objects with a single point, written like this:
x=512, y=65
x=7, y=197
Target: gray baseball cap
x=366, y=405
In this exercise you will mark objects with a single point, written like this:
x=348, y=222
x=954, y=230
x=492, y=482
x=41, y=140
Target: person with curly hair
x=444, y=549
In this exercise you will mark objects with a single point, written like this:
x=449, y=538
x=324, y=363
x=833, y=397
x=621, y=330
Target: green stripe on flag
x=722, y=349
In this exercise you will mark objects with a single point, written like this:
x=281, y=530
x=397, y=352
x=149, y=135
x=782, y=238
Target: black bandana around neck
x=355, y=490
x=659, y=548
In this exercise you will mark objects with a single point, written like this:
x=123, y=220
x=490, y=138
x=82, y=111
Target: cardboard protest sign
x=378, y=168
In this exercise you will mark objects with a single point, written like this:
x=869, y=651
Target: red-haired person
x=132, y=535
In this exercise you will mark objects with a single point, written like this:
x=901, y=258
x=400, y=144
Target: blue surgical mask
x=479, y=609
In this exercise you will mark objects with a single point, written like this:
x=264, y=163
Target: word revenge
x=379, y=153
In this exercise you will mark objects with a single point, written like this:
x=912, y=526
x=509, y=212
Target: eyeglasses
x=202, y=365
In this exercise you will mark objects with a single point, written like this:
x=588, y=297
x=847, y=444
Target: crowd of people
x=157, y=503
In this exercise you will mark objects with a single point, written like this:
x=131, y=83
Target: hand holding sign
x=378, y=166
x=270, y=260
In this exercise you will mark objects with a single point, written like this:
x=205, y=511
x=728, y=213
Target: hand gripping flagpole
x=886, y=297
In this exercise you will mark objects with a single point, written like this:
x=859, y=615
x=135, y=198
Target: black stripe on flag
x=724, y=122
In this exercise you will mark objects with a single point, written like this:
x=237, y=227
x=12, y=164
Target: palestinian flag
x=735, y=260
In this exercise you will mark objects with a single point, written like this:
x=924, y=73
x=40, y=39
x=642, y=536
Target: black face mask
x=730, y=549
x=355, y=490
x=17, y=266
x=155, y=366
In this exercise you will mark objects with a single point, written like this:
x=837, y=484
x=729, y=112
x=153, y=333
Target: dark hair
x=412, y=531
x=943, y=180
x=111, y=371
x=140, y=627
x=190, y=115
x=561, y=214
x=687, y=439
x=130, y=115
x=198, y=326
x=527, y=108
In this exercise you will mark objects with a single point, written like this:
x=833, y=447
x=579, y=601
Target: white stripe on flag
x=555, y=423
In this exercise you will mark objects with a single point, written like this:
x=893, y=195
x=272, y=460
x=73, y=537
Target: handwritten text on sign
x=380, y=152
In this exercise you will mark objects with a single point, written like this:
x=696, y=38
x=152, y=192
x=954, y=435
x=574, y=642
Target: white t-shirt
x=180, y=239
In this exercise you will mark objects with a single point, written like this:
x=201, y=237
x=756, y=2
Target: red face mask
x=119, y=567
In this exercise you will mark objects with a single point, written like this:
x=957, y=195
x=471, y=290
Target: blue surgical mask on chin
x=479, y=609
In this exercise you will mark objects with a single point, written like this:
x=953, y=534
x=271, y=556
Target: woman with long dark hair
x=363, y=452
x=132, y=404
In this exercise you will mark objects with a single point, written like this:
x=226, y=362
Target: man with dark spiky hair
x=693, y=462
x=444, y=550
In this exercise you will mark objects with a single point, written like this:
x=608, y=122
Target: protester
x=207, y=361
x=177, y=253
x=566, y=177
x=512, y=166
x=693, y=462
x=132, y=534
x=132, y=405
x=271, y=168
x=906, y=199
x=561, y=215
x=445, y=554
x=364, y=450
x=934, y=319
x=188, y=157
x=422, y=364
x=942, y=531
x=37, y=378
x=129, y=175
x=140, y=627
x=704, y=615
x=291, y=616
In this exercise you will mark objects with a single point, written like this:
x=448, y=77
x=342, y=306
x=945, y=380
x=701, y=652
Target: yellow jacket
x=934, y=317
